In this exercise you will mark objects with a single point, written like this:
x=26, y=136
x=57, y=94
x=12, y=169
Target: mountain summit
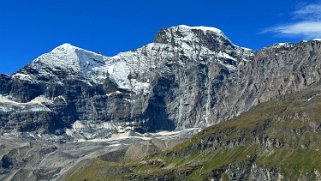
x=63, y=61
x=187, y=33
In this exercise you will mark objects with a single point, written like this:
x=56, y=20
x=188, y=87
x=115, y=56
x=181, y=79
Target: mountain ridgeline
x=188, y=77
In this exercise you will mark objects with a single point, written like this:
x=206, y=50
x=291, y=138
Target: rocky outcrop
x=274, y=71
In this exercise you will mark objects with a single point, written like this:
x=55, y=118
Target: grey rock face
x=274, y=71
x=189, y=76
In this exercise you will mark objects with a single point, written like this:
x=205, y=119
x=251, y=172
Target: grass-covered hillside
x=279, y=139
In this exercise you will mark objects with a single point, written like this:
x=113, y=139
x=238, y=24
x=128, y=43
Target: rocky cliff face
x=188, y=77
x=275, y=70
x=276, y=140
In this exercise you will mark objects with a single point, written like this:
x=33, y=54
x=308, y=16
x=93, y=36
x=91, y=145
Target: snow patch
x=140, y=86
x=128, y=135
x=227, y=66
x=226, y=56
x=77, y=125
x=35, y=105
x=118, y=73
x=41, y=99
x=282, y=45
x=203, y=28
x=22, y=76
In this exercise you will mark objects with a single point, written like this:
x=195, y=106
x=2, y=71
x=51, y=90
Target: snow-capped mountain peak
x=184, y=33
x=67, y=53
x=132, y=70
x=64, y=61
x=203, y=28
x=66, y=47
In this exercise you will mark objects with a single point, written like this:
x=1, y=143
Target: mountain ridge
x=190, y=76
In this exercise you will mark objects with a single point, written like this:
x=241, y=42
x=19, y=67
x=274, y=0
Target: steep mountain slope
x=188, y=77
x=276, y=140
x=146, y=89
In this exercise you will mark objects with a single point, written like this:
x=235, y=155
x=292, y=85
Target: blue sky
x=31, y=28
